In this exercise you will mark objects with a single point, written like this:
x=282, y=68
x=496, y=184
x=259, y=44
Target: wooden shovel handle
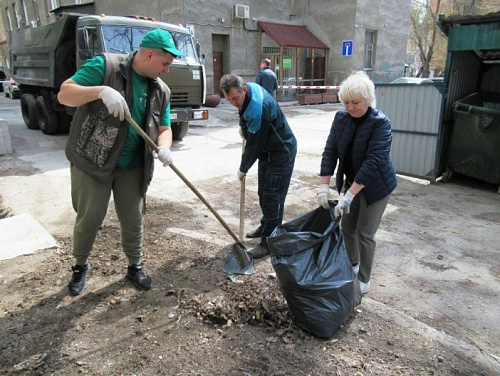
x=242, y=198
x=184, y=179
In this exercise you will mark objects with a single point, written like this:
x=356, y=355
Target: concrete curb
x=474, y=354
x=22, y=235
x=5, y=143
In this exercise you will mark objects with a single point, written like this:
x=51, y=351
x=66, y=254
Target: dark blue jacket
x=265, y=129
x=370, y=153
x=268, y=80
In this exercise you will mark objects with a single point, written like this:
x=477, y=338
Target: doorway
x=220, y=60
x=218, y=66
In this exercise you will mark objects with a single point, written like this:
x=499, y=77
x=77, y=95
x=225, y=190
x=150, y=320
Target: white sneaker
x=355, y=269
x=364, y=286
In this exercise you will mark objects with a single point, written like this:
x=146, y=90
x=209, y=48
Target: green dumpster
x=475, y=142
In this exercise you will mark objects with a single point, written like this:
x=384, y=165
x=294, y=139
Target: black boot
x=77, y=284
x=259, y=251
x=257, y=233
x=141, y=280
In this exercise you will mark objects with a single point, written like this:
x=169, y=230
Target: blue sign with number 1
x=347, y=48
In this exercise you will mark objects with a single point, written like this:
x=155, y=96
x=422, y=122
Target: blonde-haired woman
x=360, y=141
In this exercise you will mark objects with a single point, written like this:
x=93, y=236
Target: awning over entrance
x=292, y=35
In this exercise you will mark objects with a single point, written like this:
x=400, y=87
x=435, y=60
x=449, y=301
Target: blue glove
x=344, y=204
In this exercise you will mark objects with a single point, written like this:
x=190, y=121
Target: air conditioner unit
x=241, y=11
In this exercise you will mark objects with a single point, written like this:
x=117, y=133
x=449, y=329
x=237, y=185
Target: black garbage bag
x=314, y=271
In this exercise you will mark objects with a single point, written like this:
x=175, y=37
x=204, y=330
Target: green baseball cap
x=162, y=40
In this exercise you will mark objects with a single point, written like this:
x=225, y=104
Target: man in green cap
x=107, y=155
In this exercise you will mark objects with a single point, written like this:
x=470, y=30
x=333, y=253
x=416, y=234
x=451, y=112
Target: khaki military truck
x=43, y=57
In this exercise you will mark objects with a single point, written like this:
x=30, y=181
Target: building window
x=24, y=13
x=270, y=50
x=370, y=44
x=17, y=15
x=51, y=4
x=9, y=19
x=37, y=13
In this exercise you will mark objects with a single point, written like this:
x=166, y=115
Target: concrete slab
x=21, y=235
x=5, y=143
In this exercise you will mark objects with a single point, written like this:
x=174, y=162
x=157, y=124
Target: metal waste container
x=475, y=142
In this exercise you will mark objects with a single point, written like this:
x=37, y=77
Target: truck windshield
x=125, y=39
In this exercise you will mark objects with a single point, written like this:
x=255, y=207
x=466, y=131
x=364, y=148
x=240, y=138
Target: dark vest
x=96, y=138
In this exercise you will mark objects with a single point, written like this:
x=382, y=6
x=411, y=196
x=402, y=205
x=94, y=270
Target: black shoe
x=259, y=251
x=77, y=284
x=255, y=233
x=141, y=280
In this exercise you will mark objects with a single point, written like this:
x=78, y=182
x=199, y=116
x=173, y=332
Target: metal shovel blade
x=231, y=265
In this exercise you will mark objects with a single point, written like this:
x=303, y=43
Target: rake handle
x=153, y=145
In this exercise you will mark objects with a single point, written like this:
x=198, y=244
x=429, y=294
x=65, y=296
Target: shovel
x=232, y=264
x=243, y=261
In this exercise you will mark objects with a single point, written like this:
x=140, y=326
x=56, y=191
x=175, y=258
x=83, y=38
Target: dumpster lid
x=475, y=33
x=445, y=23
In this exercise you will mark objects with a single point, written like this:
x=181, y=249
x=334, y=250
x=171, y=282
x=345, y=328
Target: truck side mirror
x=82, y=35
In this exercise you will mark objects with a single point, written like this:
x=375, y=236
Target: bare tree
x=426, y=40
x=423, y=31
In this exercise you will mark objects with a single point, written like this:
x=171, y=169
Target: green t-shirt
x=92, y=74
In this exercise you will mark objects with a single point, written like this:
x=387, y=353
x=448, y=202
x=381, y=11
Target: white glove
x=241, y=175
x=115, y=103
x=344, y=203
x=323, y=194
x=164, y=155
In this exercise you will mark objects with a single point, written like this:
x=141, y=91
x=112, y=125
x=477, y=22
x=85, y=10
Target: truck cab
x=122, y=35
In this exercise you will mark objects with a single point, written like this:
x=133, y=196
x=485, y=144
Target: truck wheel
x=64, y=121
x=47, y=117
x=28, y=109
x=179, y=130
x=66, y=58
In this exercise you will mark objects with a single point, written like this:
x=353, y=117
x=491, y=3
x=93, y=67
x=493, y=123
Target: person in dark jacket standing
x=107, y=155
x=269, y=139
x=360, y=140
x=267, y=78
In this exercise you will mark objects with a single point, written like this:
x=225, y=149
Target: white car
x=10, y=89
x=412, y=80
